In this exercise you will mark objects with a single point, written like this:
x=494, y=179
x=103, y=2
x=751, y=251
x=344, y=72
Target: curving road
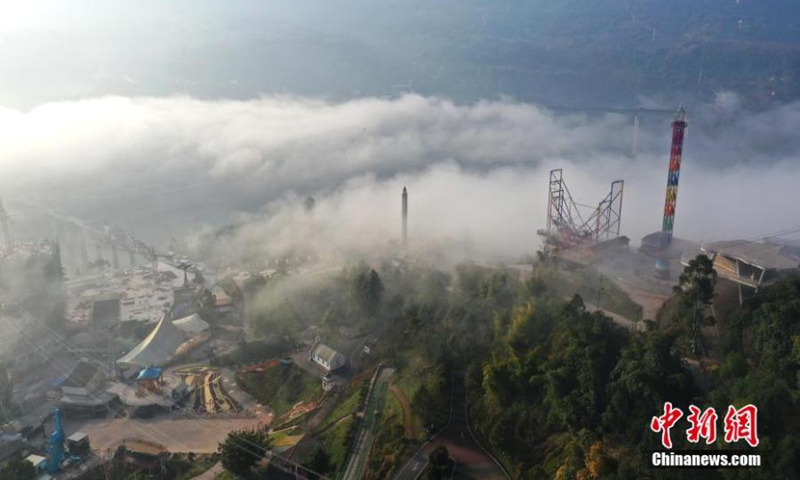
x=472, y=461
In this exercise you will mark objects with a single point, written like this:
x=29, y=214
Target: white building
x=327, y=358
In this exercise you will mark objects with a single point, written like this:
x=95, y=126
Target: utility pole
x=600, y=290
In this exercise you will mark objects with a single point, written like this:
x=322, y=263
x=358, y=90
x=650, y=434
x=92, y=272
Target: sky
x=168, y=118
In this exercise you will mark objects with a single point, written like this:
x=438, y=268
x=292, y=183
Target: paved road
x=620, y=320
x=369, y=424
x=472, y=461
x=211, y=473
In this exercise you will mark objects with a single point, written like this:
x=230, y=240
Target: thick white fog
x=171, y=166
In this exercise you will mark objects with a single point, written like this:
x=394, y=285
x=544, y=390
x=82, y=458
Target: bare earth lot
x=178, y=435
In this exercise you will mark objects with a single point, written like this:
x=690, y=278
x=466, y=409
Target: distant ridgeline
x=582, y=53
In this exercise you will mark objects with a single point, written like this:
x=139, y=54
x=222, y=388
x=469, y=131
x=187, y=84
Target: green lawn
x=281, y=387
x=347, y=404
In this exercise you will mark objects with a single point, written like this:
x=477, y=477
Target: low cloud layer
x=168, y=166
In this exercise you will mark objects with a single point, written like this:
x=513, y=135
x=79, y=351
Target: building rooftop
x=324, y=352
x=651, y=244
x=755, y=253
x=150, y=373
x=36, y=460
x=81, y=375
x=143, y=295
x=77, y=437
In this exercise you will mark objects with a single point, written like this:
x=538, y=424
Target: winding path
x=408, y=424
x=472, y=461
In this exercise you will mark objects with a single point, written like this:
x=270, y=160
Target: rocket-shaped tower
x=676, y=152
x=405, y=216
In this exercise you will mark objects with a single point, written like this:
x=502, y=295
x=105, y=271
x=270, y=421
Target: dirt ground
x=407, y=423
x=177, y=434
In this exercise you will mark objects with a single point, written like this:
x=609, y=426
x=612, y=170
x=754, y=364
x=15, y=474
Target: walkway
x=408, y=423
x=211, y=473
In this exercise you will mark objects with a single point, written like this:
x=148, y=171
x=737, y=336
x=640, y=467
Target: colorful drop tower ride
x=678, y=131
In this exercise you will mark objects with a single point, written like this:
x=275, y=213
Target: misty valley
x=399, y=240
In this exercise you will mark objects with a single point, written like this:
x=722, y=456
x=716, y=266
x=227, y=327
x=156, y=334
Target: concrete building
x=37, y=461
x=749, y=264
x=651, y=246
x=329, y=359
x=78, y=444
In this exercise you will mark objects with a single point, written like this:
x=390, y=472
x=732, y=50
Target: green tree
x=431, y=401
x=242, y=450
x=439, y=463
x=699, y=278
x=320, y=463
x=696, y=288
x=365, y=288
x=648, y=373
x=18, y=468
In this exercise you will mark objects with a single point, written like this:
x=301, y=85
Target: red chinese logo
x=703, y=425
x=665, y=422
x=741, y=424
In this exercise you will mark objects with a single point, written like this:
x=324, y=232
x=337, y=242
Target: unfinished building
x=749, y=264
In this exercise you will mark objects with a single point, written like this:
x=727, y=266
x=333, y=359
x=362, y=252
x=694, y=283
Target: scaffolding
x=566, y=227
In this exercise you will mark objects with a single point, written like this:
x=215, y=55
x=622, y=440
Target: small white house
x=327, y=358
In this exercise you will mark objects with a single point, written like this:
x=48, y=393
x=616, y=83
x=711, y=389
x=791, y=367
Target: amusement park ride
x=673, y=175
x=566, y=227
x=575, y=230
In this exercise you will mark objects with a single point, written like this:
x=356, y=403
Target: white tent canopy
x=191, y=325
x=157, y=348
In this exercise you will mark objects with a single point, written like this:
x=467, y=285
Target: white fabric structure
x=157, y=348
x=191, y=325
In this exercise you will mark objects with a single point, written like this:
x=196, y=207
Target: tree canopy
x=242, y=450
